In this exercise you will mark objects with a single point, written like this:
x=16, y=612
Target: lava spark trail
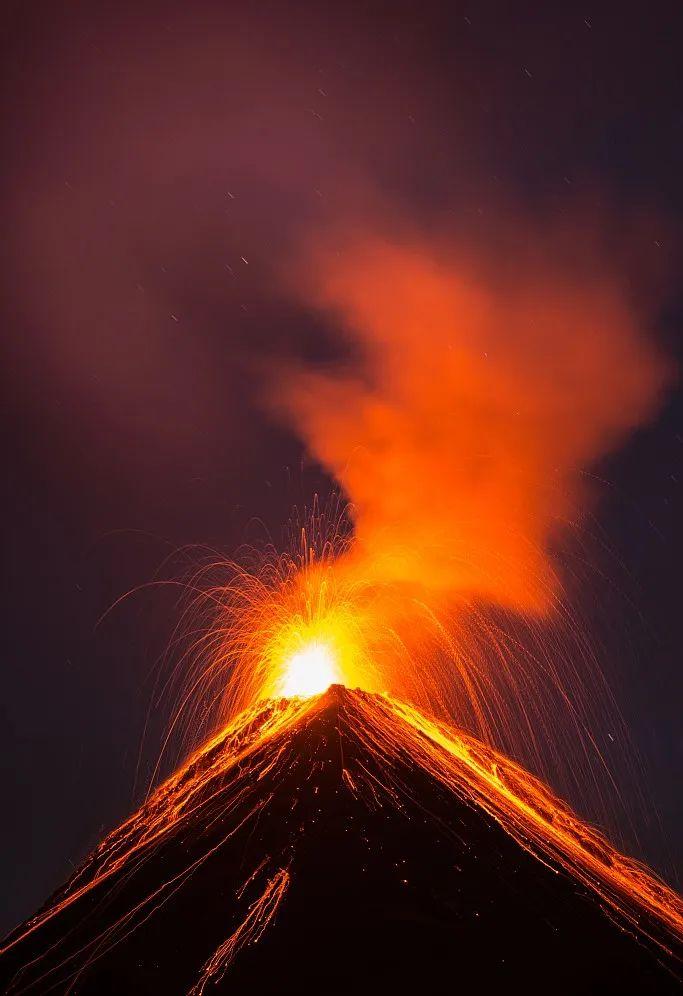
x=260, y=914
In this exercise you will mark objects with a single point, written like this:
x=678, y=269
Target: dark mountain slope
x=313, y=849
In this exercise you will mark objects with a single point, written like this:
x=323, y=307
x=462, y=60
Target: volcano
x=346, y=843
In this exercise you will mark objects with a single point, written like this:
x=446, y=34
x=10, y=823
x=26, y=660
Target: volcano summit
x=346, y=843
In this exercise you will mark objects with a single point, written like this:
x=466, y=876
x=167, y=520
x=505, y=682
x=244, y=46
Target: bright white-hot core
x=310, y=671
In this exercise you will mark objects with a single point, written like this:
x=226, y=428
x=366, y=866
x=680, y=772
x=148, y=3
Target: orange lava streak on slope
x=189, y=791
x=522, y=804
x=261, y=913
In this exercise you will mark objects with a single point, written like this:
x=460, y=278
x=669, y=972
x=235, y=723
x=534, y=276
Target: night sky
x=160, y=160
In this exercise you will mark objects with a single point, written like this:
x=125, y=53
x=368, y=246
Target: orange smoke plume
x=480, y=388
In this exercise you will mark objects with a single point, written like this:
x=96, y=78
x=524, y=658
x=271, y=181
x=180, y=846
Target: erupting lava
x=460, y=435
x=310, y=671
